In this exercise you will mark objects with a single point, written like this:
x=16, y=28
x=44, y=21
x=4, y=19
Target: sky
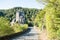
x=6, y=4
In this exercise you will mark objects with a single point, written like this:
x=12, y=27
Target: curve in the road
x=31, y=34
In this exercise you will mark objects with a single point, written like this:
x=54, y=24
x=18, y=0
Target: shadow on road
x=15, y=35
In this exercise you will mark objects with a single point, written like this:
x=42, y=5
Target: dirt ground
x=42, y=34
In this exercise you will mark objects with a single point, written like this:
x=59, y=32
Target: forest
x=11, y=13
x=49, y=18
x=6, y=16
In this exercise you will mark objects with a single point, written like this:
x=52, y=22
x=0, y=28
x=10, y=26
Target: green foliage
x=6, y=16
x=39, y=19
x=52, y=19
x=19, y=27
x=5, y=28
x=11, y=13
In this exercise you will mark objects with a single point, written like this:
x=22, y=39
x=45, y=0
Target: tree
x=52, y=19
x=39, y=19
x=5, y=28
x=11, y=13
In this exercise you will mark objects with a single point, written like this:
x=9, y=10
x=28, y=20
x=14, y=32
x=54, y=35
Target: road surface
x=32, y=34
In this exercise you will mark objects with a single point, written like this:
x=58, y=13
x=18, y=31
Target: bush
x=19, y=27
x=39, y=19
x=5, y=28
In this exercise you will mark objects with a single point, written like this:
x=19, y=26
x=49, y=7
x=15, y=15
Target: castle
x=20, y=18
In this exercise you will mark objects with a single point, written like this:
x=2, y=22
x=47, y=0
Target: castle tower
x=20, y=17
x=17, y=16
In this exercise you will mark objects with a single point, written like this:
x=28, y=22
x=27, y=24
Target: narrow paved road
x=32, y=34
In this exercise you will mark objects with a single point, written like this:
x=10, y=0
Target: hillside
x=10, y=13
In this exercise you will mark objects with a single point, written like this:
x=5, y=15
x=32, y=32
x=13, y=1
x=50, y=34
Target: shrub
x=5, y=28
x=19, y=27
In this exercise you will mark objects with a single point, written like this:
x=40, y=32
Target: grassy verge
x=6, y=29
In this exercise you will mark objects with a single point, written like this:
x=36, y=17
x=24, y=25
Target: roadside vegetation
x=49, y=18
x=39, y=19
x=6, y=16
x=19, y=27
x=7, y=29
